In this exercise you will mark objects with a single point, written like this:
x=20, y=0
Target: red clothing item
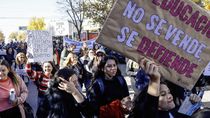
x=112, y=110
x=44, y=83
x=39, y=77
x=34, y=75
x=57, y=56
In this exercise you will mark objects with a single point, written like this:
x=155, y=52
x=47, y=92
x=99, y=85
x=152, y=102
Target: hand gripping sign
x=173, y=33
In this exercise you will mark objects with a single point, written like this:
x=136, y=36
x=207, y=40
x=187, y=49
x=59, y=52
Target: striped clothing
x=40, y=79
x=44, y=84
x=33, y=74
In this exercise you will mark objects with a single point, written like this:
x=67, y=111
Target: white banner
x=78, y=44
x=40, y=46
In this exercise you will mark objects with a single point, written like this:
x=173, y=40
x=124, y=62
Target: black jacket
x=65, y=107
x=146, y=106
x=113, y=90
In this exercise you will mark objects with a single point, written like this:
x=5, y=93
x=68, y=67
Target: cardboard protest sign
x=40, y=46
x=173, y=33
x=188, y=108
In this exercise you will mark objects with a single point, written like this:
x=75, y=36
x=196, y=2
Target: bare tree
x=74, y=9
x=98, y=10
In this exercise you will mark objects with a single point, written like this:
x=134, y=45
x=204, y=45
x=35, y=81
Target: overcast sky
x=15, y=13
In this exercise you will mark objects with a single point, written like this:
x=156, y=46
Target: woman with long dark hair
x=63, y=99
x=155, y=101
x=11, y=54
x=11, y=103
x=109, y=94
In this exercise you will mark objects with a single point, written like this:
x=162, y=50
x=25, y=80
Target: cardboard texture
x=177, y=39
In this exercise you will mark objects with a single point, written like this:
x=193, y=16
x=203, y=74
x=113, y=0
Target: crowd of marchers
x=59, y=85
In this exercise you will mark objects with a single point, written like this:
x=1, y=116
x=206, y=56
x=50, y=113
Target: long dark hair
x=100, y=72
x=7, y=51
x=54, y=69
x=12, y=75
x=139, y=101
x=59, y=100
x=143, y=93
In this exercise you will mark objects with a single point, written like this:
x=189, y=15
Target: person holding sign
x=186, y=101
x=41, y=78
x=155, y=101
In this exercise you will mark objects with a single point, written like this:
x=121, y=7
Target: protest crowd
x=105, y=93
x=83, y=79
